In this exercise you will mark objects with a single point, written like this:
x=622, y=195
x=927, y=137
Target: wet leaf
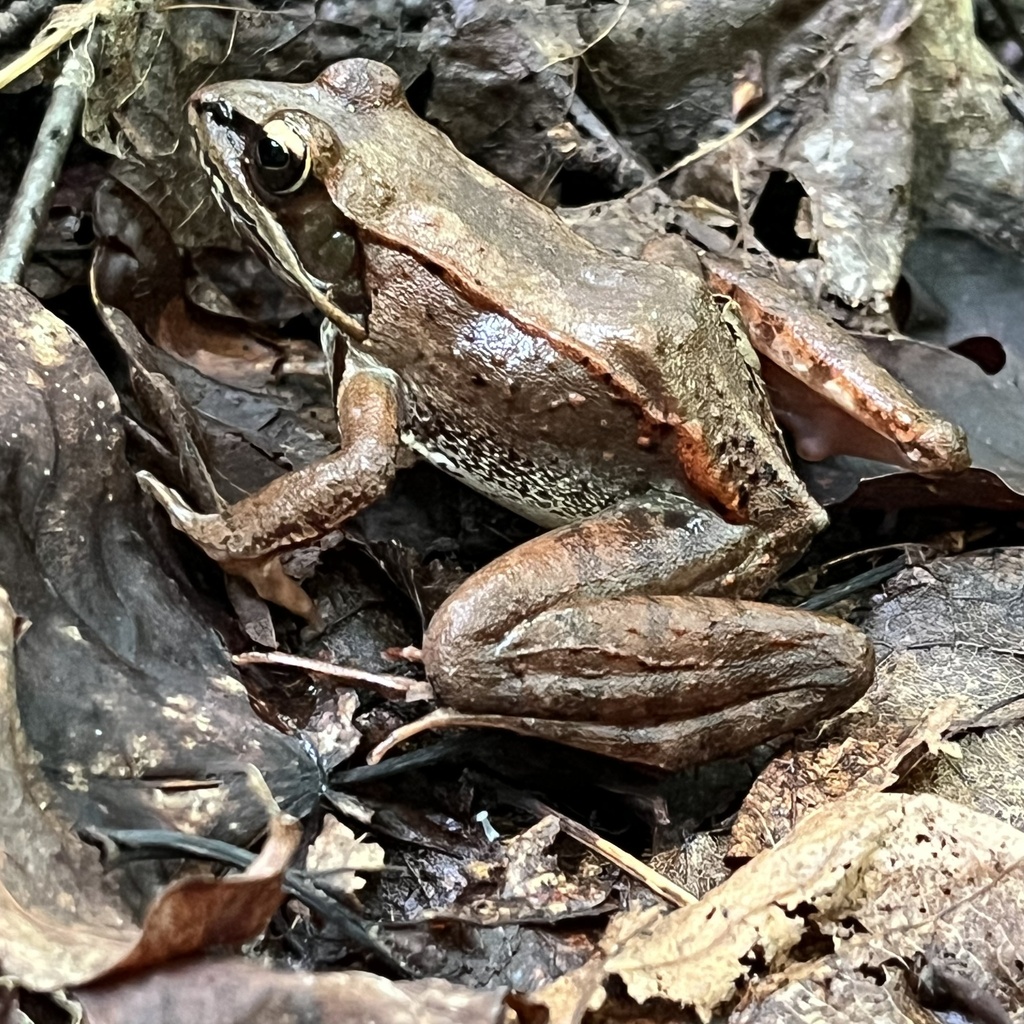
x=870, y=760
x=137, y=269
x=60, y=916
x=486, y=50
x=126, y=691
x=61, y=920
x=895, y=80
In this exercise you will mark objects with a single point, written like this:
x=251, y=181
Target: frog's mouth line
x=223, y=140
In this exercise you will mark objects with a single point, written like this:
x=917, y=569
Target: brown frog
x=612, y=400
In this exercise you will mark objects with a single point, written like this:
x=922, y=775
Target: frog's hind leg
x=880, y=418
x=669, y=681
x=602, y=635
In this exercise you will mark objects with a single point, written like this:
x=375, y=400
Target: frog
x=615, y=402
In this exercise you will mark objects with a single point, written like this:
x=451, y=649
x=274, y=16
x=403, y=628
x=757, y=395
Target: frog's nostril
x=207, y=106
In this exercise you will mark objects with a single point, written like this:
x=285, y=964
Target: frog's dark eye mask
x=258, y=173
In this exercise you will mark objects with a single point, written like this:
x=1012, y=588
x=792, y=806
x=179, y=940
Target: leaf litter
x=857, y=902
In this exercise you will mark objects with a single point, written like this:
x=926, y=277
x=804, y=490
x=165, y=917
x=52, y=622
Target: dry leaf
x=798, y=782
x=912, y=873
x=337, y=854
x=236, y=992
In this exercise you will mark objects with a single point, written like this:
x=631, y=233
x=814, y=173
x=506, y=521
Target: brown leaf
x=833, y=990
x=948, y=637
x=194, y=914
x=60, y=917
x=60, y=922
x=914, y=872
x=125, y=690
x=138, y=269
x=230, y=991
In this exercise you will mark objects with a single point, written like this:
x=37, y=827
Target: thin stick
x=32, y=202
x=654, y=880
x=388, y=686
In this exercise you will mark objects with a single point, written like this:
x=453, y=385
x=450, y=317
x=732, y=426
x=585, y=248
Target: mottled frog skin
x=607, y=398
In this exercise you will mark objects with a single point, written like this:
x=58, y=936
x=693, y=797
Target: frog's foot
x=264, y=572
x=807, y=347
x=205, y=529
x=247, y=538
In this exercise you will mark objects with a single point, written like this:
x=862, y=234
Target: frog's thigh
x=561, y=630
x=641, y=660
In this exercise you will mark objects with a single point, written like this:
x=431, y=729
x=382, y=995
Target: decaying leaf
x=796, y=783
x=906, y=121
x=137, y=269
x=697, y=864
x=60, y=916
x=61, y=921
x=953, y=629
x=948, y=637
x=126, y=692
x=235, y=992
x=338, y=854
x=879, y=878
x=534, y=882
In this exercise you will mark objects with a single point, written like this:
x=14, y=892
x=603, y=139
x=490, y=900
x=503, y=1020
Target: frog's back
x=650, y=335
x=500, y=408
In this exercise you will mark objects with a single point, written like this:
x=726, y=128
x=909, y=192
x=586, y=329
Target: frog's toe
x=941, y=447
x=273, y=584
x=214, y=535
x=208, y=530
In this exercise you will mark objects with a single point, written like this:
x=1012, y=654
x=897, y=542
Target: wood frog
x=610, y=399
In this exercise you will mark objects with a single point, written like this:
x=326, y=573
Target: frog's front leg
x=622, y=634
x=247, y=538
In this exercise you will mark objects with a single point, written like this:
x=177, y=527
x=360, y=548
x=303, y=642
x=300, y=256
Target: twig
x=654, y=880
x=392, y=687
x=32, y=201
x=706, y=148
x=870, y=578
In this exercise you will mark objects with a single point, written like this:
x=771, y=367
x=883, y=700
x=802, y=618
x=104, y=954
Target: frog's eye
x=280, y=159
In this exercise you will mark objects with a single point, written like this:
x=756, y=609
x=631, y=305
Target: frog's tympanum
x=610, y=399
